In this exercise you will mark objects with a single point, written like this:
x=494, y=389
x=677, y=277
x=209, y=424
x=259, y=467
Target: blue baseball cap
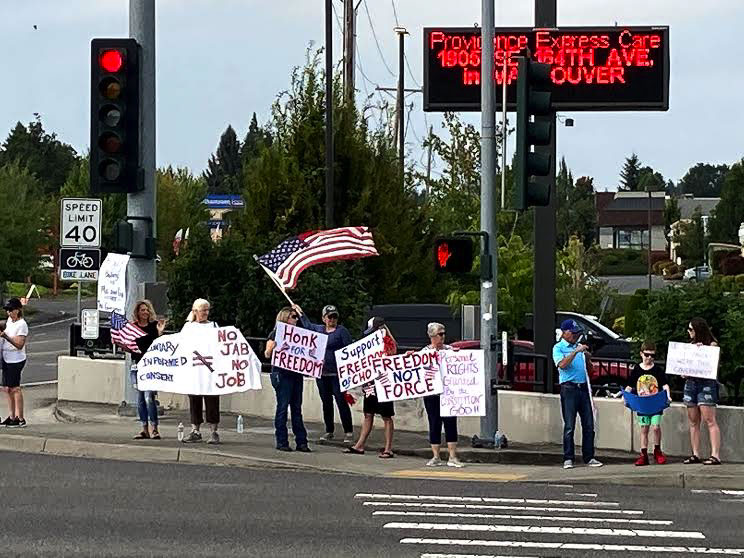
x=570, y=325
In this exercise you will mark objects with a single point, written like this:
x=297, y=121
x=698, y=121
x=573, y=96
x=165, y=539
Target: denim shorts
x=700, y=392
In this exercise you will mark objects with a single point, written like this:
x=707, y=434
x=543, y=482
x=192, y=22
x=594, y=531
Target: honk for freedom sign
x=407, y=376
x=299, y=350
x=212, y=361
x=354, y=362
x=464, y=384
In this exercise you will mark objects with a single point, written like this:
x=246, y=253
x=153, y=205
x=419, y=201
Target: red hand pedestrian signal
x=443, y=254
x=453, y=255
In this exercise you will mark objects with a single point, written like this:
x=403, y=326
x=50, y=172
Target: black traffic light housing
x=453, y=254
x=533, y=99
x=115, y=116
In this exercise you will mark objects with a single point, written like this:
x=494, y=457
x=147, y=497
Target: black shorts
x=12, y=373
x=373, y=407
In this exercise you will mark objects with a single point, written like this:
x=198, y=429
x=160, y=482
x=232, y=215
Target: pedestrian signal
x=453, y=255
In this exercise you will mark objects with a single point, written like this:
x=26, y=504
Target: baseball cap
x=329, y=309
x=570, y=325
x=13, y=304
x=374, y=324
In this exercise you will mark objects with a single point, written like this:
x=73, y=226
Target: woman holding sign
x=701, y=397
x=288, y=387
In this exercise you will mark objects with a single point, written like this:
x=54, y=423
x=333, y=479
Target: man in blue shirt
x=570, y=359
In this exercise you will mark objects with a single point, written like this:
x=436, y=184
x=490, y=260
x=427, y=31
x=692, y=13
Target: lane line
x=527, y=517
x=545, y=530
x=720, y=491
x=492, y=507
x=561, y=485
x=586, y=494
x=454, y=475
x=430, y=555
x=576, y=546
x=48, y=353
x=427, y=498
x=33, y=327
x=44, y=383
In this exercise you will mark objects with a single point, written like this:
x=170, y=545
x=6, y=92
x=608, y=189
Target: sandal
x=386, y=455
x=144, y=435
x=354, y=451
x=155, y=435
x=692, y=459
x=712, y=461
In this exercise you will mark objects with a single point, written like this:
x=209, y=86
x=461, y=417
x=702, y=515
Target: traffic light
x=453, y=254
x=114, y=116
x=533, y=99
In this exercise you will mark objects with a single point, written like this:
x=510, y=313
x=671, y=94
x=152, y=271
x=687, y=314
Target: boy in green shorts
x=647, y=378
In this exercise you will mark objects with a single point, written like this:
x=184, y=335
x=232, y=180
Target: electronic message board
x=593, y=68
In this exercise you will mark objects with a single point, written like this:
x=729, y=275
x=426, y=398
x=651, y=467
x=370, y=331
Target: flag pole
x=275, y=280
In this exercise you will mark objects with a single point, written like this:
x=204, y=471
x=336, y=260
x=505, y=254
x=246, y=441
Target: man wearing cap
x=569, y=357
x=13, y=360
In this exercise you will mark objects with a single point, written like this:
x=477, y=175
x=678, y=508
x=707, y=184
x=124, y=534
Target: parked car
x=698, y=273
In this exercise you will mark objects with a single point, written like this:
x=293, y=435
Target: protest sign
x=354, y=362
x=299, y=350
x=407, y=376
x=463, y=383
x=696, y=361
x=209, y=361
x=112, y=284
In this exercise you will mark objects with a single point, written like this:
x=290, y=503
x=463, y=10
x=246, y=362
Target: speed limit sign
x=80, y=223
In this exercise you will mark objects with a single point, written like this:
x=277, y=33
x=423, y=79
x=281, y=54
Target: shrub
x=719, y=256
x=739, y=279
x=634, y=312
x=670, y=270
x=659, y=265
x=619, y=325
x=728, y=283
x=732, y=265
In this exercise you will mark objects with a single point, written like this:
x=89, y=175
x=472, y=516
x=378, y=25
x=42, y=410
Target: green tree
x=579, y=290
x=672, y=214
x=576, y=214
x=223, y=173
x=630, y=174
x=729, y=213
x=704, y=180
x=690, y=235
x=256, y=138
x=650, y=180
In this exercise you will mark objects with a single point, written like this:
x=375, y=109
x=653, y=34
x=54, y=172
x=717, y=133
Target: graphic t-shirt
x=647, y=382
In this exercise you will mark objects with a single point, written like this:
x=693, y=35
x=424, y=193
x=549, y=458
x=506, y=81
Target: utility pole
x=545, y=233
x=349, y=46
x=141, y=206
x=400, y=105
x=428, y=161
x=329, y=116
x=489, y=310
x=649, y=240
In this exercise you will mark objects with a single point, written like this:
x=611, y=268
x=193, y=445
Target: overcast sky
x=218, y=61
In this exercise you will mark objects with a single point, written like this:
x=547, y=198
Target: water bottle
x=240, y=424
x=180, y=432
x=499, y=440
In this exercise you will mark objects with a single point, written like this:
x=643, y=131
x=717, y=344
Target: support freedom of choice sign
x=407, y=376
x=354, y=362
x=299, y=350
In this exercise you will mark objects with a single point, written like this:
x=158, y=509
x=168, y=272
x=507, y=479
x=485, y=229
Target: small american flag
x=295, y=254
x=125, y=333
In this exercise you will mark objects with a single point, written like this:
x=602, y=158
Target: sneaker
x=642, y=460
x=327, y=436
x=193, y=437
x=568, y=464
x=304, y=449
x=659, y=457
x=348, y=437
x=283, y=448
x=214, y=438
x=594, y=463
x=7, y=422
x=20, y=423
x=454, y=462
x=434, y=462
x=14, y=423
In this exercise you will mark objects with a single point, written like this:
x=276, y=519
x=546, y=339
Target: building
x=688, y=205
x=623, y=220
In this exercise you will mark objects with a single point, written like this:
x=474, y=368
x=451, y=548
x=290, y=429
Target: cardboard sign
x=209, y=361
x=299, y=350
x=354, y=362
x=407, y=376
x=464, y=384
x=112, y=284
x=696, y=361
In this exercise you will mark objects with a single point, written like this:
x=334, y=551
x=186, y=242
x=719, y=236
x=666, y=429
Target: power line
x=395, y=13
x=374, y=34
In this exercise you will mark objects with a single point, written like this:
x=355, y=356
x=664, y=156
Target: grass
x=14, y=289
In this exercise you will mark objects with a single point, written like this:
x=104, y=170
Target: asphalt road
x=628, y=284
x=58, y=506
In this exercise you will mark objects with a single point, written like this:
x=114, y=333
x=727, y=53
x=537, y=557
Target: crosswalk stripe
x=363, y=496
x=574, y=546
x=434, y=555
x=493, y=507
x=526, y=517
x=585, y=494
x=720, y=491
x=559, y=530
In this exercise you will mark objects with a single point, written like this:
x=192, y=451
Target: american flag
x=297, y=253
x=124, y=333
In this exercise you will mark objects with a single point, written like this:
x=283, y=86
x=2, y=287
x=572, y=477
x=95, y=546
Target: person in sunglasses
x=647, y=378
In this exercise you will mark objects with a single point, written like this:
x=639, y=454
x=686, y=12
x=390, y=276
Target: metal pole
x=503, y=133
x=649, y=240
x=77, y=316
x=329, y=183
x=401, y=102
x=143, y=204
x=489, y=310
x=349, y=39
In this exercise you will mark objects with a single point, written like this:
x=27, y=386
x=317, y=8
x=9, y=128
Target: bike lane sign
x=79, y=264
x=80, y=223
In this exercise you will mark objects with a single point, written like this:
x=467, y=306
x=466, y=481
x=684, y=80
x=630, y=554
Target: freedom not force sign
x=407, y=376
x=299, y=350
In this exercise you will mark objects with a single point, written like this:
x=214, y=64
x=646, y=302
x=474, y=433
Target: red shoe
x=642, y=460
x=659, y=457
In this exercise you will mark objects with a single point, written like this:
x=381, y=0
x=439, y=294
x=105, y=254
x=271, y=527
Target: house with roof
x=623, y=220
x=688, y=205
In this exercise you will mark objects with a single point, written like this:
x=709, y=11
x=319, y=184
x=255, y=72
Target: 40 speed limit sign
x=80, y=223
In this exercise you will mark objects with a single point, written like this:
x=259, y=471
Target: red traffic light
x=443, y=254
x=453, y=254
x=111, y=60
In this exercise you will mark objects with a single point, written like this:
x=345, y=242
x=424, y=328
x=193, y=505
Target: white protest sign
x=299, y=350
x=354, y=362
x=407, y=376
x=112, y=284
x=208, y=361
x=464, y=384
x=696, y=361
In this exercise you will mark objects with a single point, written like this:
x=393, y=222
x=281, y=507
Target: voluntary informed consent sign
x=696, y=361
x=299, y=350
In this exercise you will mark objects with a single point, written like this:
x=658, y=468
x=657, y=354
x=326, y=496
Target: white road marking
x=720, y=491
x=561, y=485
x=430, y=555
x=34, y=327
x=60, y=352
x=585, y=494
x=545, y=530
x=45, y=383
x=527, y=517
x=484, y=499
x=577, y=546
x=492, y=507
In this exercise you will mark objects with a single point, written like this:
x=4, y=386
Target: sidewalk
x=96, y=431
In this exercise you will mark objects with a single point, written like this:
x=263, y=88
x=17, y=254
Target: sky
x=218, y=61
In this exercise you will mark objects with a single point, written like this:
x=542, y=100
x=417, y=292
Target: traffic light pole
x=142, y=205
x=489, y=327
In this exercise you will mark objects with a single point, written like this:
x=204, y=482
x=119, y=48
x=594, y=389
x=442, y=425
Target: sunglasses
x=690, y=329
x=294, y=316
x=332, y=316
x=649, y=355
x=440, y=334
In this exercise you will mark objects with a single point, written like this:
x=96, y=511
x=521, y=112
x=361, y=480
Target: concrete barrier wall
x=524, y=417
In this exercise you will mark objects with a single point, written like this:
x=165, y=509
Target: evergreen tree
x=256, y=138
x=691, y=238
x=223, y=173
x=650, y=180
x=729, y=213
x=576, y=214
x=704, y=180
x=630, y=175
